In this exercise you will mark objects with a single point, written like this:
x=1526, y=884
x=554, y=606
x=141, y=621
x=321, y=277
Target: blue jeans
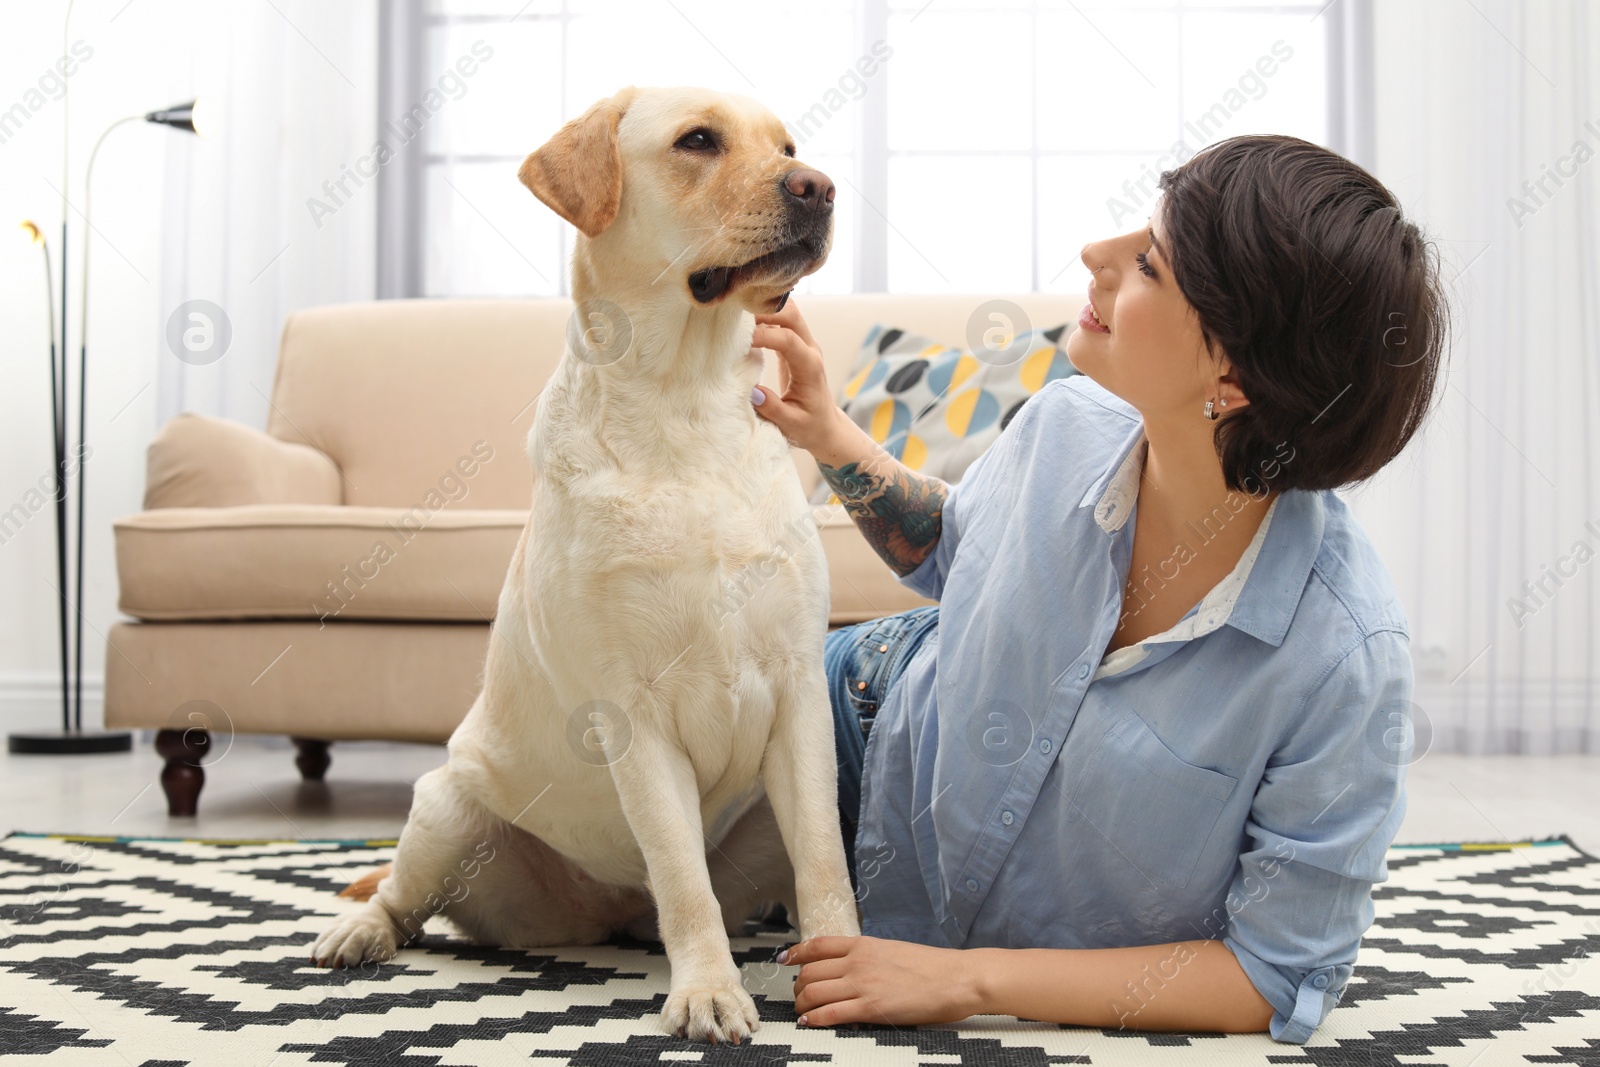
x=862, y=662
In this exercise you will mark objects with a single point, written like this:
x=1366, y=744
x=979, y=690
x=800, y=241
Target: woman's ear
x=578, y=172
x=1228, y=389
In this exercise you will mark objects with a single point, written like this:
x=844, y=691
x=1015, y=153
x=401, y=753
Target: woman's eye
x=697, y=141
x=1144, y=265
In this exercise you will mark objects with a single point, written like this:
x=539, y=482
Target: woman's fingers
x=802, y=361
x=820, y=971
x=824, y=995
x=799, y=374
x=817, y=948
x=839, y=1013
x=784, y=377
x=783, y=368
x=790, y=318
x=820, y=994
x=805, y=410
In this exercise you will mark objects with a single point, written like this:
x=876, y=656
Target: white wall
x=176, y=218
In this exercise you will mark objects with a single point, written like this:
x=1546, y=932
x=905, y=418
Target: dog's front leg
x=424, y=882
x=661, y=799
x=800, y=772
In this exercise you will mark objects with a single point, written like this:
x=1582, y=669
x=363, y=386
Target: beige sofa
x=333, y=577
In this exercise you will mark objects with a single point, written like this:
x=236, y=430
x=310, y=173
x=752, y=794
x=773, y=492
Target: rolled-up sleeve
x=978, y=484
x=1326, y=810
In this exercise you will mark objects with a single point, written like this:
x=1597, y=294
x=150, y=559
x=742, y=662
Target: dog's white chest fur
x=671, y=571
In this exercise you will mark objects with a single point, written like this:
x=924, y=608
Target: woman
x=1137, y=768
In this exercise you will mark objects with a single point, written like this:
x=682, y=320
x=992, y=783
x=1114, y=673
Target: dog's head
x=688, y=188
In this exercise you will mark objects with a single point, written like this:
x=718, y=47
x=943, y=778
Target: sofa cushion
x=328, y=563
x=936, y=407
x=839, y=322
x=315, y=562
x=339, y=563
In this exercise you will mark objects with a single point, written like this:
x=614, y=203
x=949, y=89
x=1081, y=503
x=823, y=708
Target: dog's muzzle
x=808, y=200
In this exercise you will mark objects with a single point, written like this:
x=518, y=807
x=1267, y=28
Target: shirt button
x=1007, y=818
x=1044, y=746
x=1083, y=671
x=972, y=885
x=1320, y=981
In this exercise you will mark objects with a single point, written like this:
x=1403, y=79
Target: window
x=976, y=146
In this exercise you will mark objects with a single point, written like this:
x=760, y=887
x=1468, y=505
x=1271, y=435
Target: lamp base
x=70, y=744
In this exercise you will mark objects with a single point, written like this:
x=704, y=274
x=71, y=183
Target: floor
x=253, y=790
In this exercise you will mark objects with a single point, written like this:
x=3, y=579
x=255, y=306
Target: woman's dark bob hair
x=1329, y=303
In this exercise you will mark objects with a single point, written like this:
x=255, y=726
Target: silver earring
x=1224, y=402
x=1210, y=413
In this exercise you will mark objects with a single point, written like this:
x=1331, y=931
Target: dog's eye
x=788, y=150
x=699, y=140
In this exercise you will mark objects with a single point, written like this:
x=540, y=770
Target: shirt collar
x=1275, y=578
x=1267, y=603
x=1114, y=492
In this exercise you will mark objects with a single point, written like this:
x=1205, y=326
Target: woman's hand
x=873, y=980
x=802, y=406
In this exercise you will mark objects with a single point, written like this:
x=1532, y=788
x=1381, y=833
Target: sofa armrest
x=196, y=461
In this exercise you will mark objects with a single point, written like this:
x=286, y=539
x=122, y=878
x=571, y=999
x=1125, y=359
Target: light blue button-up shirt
x=1239, y=776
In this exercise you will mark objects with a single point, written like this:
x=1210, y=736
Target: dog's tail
x=363, y=888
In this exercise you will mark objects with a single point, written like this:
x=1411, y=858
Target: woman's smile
x=1089, y=320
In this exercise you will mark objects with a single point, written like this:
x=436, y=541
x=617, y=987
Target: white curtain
x=272, y=214
x=1488, y=129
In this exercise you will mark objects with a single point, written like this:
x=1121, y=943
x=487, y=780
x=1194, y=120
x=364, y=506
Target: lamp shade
x=195, y=116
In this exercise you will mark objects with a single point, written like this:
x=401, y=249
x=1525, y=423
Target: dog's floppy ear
x=578, y=172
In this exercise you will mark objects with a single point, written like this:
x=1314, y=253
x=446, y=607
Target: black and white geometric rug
x=159, y=952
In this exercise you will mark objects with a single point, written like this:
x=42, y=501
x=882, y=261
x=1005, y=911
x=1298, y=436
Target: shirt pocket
x=1156, y=810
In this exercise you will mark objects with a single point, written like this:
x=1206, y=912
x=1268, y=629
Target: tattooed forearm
x=898, y=510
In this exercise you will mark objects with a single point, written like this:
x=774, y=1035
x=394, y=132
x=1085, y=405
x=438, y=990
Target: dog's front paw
x=711, y=1011
x=363, y=936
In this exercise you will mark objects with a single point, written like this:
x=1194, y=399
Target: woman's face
x=1149, y=350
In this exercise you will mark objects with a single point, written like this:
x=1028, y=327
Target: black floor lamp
x=73, y=738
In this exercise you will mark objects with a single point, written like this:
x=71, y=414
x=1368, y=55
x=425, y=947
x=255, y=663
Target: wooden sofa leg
x=311, y=756
x=182, y=777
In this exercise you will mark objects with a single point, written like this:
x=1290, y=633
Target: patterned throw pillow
x=935, y=408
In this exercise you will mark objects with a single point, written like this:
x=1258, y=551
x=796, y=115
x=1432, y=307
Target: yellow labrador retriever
x=652, y=750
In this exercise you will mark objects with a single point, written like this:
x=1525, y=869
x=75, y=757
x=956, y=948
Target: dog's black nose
x=812, y=188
